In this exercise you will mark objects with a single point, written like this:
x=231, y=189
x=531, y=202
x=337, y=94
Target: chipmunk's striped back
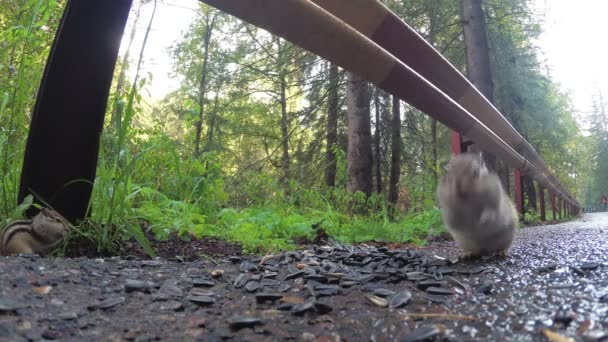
x=13, y=228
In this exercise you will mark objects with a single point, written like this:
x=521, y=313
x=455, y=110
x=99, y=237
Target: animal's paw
x=503, y=254
x=466, y=256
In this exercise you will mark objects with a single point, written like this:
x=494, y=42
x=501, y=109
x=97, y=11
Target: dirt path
x=556, y=281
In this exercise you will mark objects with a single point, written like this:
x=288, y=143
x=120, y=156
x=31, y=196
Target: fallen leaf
x=42, y=290
x=292, y=300
x=586, y=325
x=555, y=337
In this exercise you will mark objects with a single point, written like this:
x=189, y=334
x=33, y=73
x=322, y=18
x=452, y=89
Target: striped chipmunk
x=40, y=235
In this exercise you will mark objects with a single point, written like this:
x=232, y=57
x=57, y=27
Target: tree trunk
x=505, y=176
x=213, y=121
x=284, y=132
x=202, y=90
x=434, y=163
x=433, y=8
x=378, y=161
x=478, y=58
x=332, y=125
x=359, y=154
x=393, y=192
x=530, y=192
x=284, y=117
x=410, y=132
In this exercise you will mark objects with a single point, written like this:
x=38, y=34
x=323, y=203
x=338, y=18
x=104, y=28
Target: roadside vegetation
x=252, y=148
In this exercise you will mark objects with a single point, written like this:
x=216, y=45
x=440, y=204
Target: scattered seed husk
x=7, y=305
x=589, y=266
x=439, y=290
x=301, y=309
x=203, y=282
x=241, y=280
x=252, y=286
x=323, y=308
x=108, y=303
x=201, y=300
x=240, y=322
x=438, y=315
x=424, y=333
x=382, y=292
x=436, y=298
x=400, y=298
x=267, y=297
x=547, y=268
x=378, y=301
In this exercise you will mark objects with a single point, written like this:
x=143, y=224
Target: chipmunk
x=476, y=209
x=40, y=235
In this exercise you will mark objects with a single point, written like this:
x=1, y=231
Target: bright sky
x=172, y=18
x=572, y=43
x=574, y=47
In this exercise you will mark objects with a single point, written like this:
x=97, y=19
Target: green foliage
x=595, y=176
x=277, y=226
x=414, y=228
x=532, y=217
x=264, y=229
x=166, y=216
x=263, y=105
x=24, y=46
x=18, y=212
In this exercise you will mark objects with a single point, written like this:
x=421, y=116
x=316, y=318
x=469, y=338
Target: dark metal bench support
x=63, y=143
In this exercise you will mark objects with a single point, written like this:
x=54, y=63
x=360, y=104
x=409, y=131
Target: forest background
x=252, y=145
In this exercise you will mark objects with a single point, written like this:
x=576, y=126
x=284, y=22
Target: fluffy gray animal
x=476, y=209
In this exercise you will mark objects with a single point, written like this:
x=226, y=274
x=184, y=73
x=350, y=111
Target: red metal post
x=519, y=199
x=456, y=143
x=541, y=192
x=553, y=208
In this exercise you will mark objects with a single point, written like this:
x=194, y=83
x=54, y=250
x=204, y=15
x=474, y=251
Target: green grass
x=277, y=226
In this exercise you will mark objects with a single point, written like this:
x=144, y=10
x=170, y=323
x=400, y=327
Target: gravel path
x=555, y=285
